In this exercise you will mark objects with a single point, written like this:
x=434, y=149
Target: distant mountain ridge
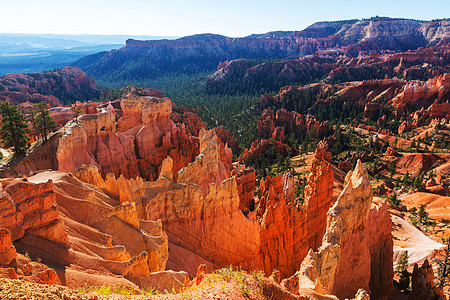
x=202, y=52
x=26, y=53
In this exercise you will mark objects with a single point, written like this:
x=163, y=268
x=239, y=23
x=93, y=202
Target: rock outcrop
x=77, y=229
x=245, y=178
x=211, y=202
x=277, y=125
x=420, y=94
x=301, y=226
x=29, y=208
x=97, y=237
x=201, y=211
x=263, y=147
x=94, y=140
x=7, y=251
x=66, y=85
x=422, y=285
x=227, y=138
x=144, y=137
x=356, y=240
x=147, y=120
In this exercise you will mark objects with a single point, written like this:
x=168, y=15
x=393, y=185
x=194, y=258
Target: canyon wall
x=356, y=251
x=76, y=228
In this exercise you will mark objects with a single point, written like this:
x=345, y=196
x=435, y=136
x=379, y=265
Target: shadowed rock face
x=356, y=240
x=422, y=283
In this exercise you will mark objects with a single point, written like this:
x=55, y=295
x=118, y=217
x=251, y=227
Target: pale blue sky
x=179, y=18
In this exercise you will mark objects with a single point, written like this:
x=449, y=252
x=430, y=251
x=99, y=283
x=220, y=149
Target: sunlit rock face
x=356, y=250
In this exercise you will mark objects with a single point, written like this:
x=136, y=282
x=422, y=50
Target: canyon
x=203, y=52
x=285, y=165
x=107, y=220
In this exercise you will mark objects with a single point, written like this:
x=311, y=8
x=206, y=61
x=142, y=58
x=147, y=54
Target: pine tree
x=443, y=262
x=406, y=179
x=402, y=270
x=14, y=128
x=43, y=123
x=377, y=143
x=422, y=214
x=77, y=112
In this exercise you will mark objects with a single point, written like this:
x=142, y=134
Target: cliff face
x=204, y=206
x=143, y=137
x=205, y=51
x=68, y=85
x=302, y=226
x=337, y=65
x=203, y=210
x=94, y=140
x=420, y=94
x=290, y=122
x=78, y=229
x=356, y=240
x=422, y=101
x=22, y=203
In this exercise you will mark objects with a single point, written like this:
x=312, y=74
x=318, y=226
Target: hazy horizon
x=181, y=18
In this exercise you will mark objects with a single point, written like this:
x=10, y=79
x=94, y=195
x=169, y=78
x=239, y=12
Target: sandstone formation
x=31, y=208
x=84, y=234
x=191, y=120
x=66, y=85
x=212, y=166
x=146, y=119
x=94, y=140
x=208, y=200
x=201, y=212
x=421, y=101
x=418, y=93
x=422, y=285
x=104, y=236
x=157, y=190
x=7, y=251
x=144, y=137
x=226, y=137
x=261, y=147
x=245, y=178
x=357, y=239
x=277, y=125
x=303, y=226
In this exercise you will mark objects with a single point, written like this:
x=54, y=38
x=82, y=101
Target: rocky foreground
x=142, y=202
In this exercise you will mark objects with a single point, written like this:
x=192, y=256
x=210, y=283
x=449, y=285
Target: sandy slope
x=437, y=206
x=408, y=237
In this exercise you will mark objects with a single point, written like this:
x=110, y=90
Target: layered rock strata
x=210, y=202
x=80, y=231
x=143, y=137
